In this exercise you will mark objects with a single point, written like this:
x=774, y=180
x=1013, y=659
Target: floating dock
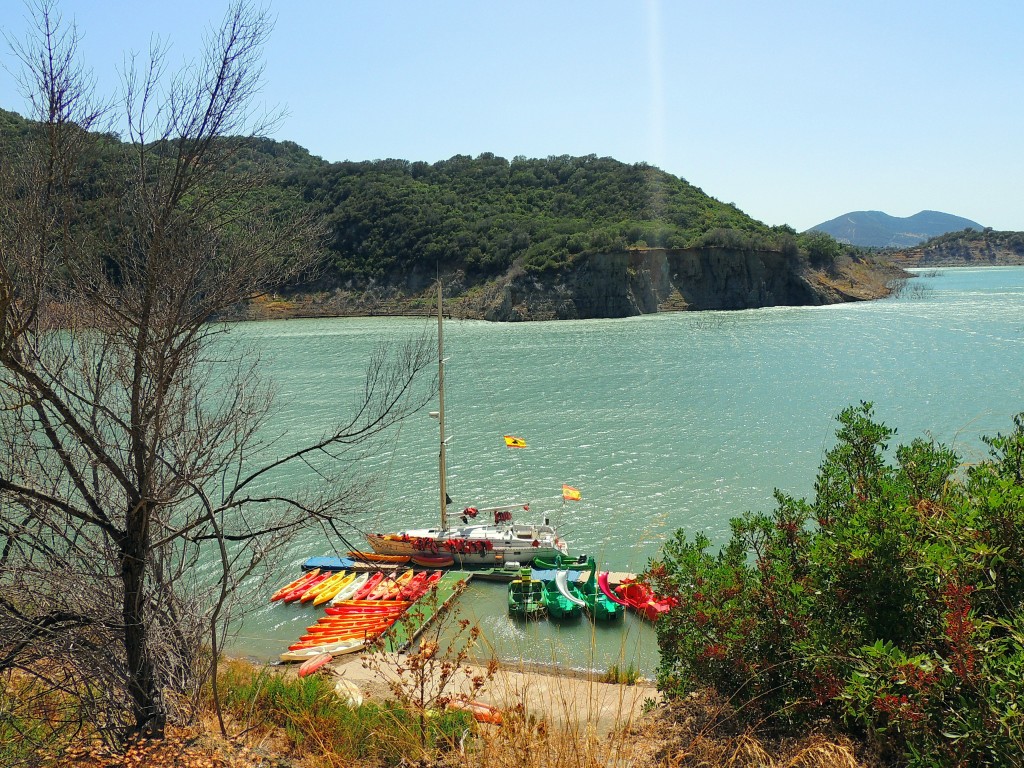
x=425, y=610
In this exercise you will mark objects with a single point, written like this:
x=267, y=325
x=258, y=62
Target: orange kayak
x=329, y=639
x=373, y=557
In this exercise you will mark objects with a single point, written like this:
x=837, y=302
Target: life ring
x=535, y=543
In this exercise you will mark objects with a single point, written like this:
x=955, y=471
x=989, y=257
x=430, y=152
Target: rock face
x=603, y=285
x=639, y=282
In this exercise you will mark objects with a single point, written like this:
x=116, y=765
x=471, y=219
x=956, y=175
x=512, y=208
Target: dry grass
x=550, y=721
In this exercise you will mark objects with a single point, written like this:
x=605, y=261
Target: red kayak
x=368, y=608
x=429, y=582
x=325, y=638
x=642, y=599
x=298, y=592
x=311, y=666
x=369, y=586
x=433, y=561
x=292, y=586
x=411, y=590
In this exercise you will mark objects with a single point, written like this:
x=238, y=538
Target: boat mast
x=440, y=413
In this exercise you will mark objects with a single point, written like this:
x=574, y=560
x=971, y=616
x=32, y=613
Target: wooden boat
x=641, y=598
x=292, y=586
x=471, y=543
x=526, y=596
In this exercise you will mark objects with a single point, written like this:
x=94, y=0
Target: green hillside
x=486, y=213
x=395, y=224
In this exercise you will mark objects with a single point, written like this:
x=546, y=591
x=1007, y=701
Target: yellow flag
x=514, y=442
x=570, y=494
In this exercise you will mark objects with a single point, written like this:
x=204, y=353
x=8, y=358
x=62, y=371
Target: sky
x=796, y=112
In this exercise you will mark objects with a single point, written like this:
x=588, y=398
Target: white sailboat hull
x=474, y=544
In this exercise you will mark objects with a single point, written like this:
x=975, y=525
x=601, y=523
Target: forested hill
x=488, y=224
x=487, y=213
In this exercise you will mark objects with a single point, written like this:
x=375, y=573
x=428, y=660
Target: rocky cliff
x=618, y=284
x=644, y=281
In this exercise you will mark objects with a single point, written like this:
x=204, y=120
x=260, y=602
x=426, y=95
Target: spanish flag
x=514, y=442
x=570, y=494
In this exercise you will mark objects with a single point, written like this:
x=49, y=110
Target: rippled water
x=663, y=421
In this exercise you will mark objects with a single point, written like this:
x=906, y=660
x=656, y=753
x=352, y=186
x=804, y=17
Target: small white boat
x=335, y=649
x=491, y=543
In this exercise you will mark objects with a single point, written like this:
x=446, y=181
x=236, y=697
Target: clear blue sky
x=796, y=112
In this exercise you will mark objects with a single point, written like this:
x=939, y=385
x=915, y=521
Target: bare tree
x=129, y=427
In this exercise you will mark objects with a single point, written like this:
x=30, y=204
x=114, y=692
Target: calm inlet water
x=663, y=422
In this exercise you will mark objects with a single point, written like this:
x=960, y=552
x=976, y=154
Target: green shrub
x=890, y=604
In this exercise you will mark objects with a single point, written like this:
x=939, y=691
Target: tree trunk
x=147, y=703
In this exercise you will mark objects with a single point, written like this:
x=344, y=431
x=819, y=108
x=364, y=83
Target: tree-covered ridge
x=387, y=219
x=1006, y=239
x=968, y=247
x=486, y=213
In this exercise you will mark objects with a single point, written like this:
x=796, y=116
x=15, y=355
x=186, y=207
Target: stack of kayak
x=347, y=628
x=361, y=606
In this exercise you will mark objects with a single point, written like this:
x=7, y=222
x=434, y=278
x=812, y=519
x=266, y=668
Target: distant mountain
x=875, y=229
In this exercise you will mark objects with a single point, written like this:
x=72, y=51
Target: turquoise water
x=663, y=422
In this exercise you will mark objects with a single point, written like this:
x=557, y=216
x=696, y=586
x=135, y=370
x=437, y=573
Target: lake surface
x=663, y=422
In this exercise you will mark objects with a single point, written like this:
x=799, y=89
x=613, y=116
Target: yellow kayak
x=329, y=593
x=327, y=583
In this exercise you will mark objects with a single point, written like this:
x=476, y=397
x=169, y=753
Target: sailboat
x=495, y=542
